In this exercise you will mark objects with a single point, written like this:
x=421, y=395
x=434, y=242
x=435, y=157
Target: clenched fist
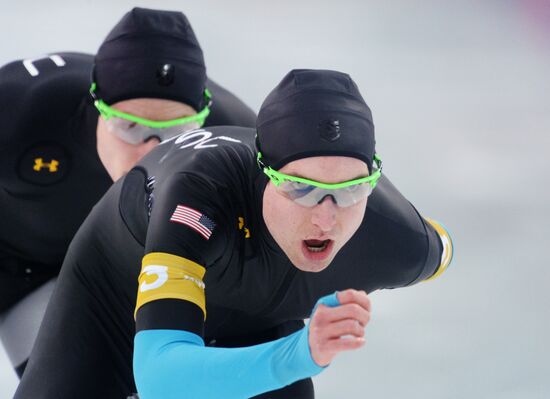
x=338, y=327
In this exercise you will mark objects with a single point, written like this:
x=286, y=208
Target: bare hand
x=341, y=328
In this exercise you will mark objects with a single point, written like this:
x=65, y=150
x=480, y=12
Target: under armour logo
x=330, y=129
x=243, y=227
x=39, y=164
x=44, y=164
x=165, y=74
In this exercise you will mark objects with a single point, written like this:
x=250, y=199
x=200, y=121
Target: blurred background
x=460, y=94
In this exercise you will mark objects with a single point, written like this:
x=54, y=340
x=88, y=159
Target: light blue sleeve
x=171, y=364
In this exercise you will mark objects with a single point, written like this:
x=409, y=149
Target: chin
x=307, y=265
x=312, y=268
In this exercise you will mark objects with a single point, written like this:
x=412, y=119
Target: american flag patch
x=202, y=224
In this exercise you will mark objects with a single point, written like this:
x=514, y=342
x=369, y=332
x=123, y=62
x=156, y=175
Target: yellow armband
x=165, y=276
x=447, y=254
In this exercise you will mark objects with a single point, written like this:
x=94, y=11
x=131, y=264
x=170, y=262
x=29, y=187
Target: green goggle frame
x=277, y=177
x=108, y=112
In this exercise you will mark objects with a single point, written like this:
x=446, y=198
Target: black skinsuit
x=50, y=173
x=253, y=292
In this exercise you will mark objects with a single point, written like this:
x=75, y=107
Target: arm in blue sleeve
x=176, y=364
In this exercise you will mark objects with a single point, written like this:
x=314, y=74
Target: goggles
x=309, y=193
x=135, y=130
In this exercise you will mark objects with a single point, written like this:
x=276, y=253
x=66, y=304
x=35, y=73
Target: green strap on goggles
x=277, y=177
x=108, y=112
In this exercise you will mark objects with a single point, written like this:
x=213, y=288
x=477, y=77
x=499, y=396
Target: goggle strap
x=277, y=177
x=108, y=112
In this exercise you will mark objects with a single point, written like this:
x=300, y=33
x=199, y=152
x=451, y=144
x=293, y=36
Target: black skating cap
x=314, y=113
x=151, y=54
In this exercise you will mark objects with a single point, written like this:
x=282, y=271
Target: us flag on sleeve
x=190, y=217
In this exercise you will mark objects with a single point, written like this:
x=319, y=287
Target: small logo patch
x=330, y=129
x=243, y=227
x=192, y=218
x=161, y=274
x=51, y=166
x=166, y=74
x=44, y=164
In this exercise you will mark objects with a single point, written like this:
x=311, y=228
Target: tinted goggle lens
x=135, y=130
x=308, y=195
x=135, y=133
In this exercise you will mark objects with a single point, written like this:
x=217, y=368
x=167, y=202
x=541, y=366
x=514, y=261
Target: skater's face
x=311, y=236
x=116, y=153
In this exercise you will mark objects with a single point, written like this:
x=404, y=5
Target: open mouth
x=316, y=246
